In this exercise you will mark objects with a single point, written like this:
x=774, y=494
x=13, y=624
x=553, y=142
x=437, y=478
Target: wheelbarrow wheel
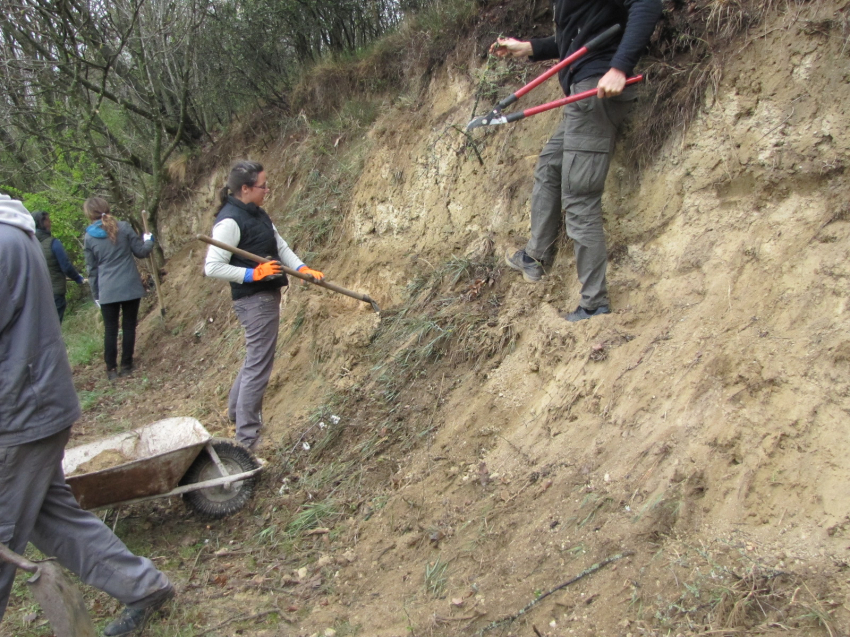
x=221, y=501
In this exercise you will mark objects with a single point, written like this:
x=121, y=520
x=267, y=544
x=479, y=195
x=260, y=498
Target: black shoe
x=532, y=269
x=133, y=620
x=111, y=374
x=125, y=371
x=580, y=313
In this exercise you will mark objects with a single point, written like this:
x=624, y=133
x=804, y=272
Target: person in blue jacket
x=571, y=170
x=59, y=266
x=116, y=284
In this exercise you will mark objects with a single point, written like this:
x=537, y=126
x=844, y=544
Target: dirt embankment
x=699, y=431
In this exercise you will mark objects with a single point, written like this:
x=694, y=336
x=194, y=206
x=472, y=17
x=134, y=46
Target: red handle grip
x=534, y=110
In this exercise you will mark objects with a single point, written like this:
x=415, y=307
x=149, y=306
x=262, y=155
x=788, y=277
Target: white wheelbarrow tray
x=159, y=456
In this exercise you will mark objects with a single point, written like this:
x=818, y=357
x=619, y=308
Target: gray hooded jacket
x=113, y=275
x=37, y=396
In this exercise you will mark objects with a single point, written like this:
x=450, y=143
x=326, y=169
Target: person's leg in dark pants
x=129, y=317
x=110, y=311
x=61, y=304
x=590, y=133
x=38, y=506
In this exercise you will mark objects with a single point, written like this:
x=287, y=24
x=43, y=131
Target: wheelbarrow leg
x=218, y=463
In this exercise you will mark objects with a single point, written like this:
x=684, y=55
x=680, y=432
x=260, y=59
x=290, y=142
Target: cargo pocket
x=585, y=170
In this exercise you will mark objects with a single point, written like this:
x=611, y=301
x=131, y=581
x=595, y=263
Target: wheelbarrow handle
x=306, y=277
x=8, y=555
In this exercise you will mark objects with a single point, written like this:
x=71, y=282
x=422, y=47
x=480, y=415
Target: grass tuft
x=82, y=330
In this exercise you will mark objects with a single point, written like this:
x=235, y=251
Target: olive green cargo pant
x=570, y=176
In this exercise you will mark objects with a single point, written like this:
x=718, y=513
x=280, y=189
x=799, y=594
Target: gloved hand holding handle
x=318, y=276
x=307, y=277
x=268, y=269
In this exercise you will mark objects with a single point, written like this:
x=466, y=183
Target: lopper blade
x=492, y=118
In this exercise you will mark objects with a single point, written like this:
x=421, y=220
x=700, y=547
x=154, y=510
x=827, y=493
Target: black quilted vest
x=257, y=236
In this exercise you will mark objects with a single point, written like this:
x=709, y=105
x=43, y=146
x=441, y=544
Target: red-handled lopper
x=496, y=117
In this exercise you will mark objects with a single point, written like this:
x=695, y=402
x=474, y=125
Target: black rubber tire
x=218, y=502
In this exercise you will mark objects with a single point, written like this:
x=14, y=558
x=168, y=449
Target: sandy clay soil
x=452, y=465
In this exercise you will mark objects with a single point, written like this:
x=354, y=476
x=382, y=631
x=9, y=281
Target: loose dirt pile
x=104, y=460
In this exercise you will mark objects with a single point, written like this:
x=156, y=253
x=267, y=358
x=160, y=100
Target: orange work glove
x=318, y=276
x=272, y=268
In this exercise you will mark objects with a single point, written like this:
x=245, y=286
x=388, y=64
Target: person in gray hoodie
x=38, y=405
x=116, y=285
x=58, y=264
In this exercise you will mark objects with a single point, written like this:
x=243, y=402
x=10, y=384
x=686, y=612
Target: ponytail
x=243, y=173
x=110, y=224
x=223, y=193
x=97, y=209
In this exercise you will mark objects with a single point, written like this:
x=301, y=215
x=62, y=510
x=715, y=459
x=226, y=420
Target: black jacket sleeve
x=643, y=15
x=544, y=49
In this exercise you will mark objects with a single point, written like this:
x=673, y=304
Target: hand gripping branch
x=495, y=117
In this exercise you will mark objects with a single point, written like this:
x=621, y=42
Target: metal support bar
x=197, y=486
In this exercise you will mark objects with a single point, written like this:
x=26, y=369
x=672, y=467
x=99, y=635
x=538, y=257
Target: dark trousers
x=569, y=179
x=129, y=314
x=61, y=304
x=38, y=506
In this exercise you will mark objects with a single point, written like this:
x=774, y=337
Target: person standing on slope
x=116, y=285
x=38, y=405
x=573, y=165
x=58, y=264
x=255, y=288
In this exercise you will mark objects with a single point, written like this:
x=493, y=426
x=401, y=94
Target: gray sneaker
x=580, y=313
x=532, y=269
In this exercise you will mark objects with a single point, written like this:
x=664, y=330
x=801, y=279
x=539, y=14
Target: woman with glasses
x=254, y=287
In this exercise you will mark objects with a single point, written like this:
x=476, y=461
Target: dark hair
x=243, y=173
x=98, y=208
x=39, y=216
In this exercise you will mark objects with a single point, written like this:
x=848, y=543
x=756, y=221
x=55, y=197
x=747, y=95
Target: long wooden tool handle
x=154, y=270
x=8, y=555
x=306, y=277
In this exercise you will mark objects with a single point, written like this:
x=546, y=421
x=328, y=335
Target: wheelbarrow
x=175, y=456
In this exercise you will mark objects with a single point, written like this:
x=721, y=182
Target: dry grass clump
x=730, y=588
x=400, y=60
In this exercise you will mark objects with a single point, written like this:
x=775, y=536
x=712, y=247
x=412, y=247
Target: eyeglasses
x=264, y=186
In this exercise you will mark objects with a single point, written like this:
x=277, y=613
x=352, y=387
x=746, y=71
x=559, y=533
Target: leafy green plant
x=69, y=183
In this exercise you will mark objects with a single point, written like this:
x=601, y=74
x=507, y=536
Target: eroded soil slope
x=488, y=451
